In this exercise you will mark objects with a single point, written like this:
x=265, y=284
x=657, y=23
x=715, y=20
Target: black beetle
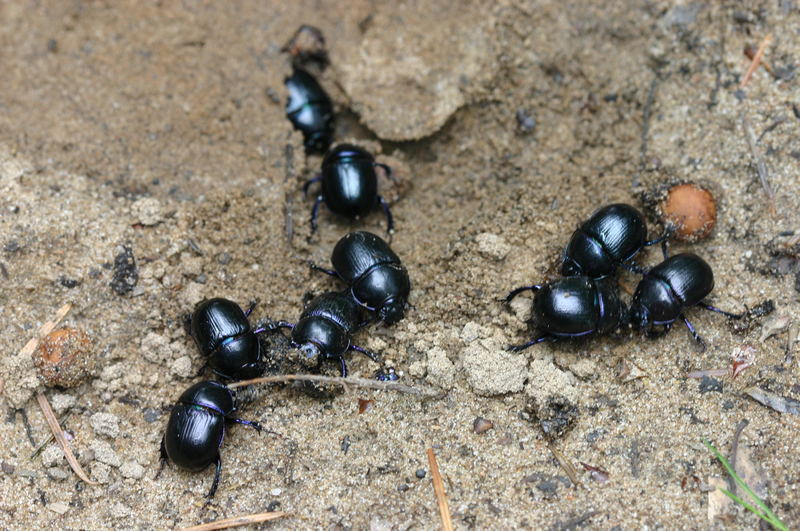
x=196, y=428
x=377, y=279
x=310, y=110
x=325, y=328
x=573, y=307
x=350, y=184
x=223, y=334
x=678, y=282
x=608, y=239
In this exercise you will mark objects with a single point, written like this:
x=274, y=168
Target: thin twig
x=761, y=166
x=438, y=489
x=45, y=329
x=59, y=435
x=565, y=463
x=756, y=60
x=237, y=521
x=355, y=382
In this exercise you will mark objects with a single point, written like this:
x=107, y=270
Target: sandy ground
x=160, y=126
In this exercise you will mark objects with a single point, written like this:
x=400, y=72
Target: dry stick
x=756, y=60
x=46, y=328
x=356, y=382
x=761, y=166
x=438, y=489
x=566, y=465
x=52, y=421
x=237, y=521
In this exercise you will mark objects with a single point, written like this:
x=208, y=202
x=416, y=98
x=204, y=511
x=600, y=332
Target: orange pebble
x=64, y=357
x=691, y=209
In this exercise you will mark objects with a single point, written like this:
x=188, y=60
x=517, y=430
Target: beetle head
x=640, y=317
x=392, y=311
x=570, y=268
x=310, y=353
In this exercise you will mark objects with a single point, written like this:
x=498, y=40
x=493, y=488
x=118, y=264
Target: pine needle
x=438, y=489
x=237, y=521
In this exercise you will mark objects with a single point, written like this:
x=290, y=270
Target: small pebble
x=105, y=424
x=57, y=473
x=492, y=246
x=58, y=507
x=64, y=358
x=182, y=367
x=420, y=473
x=131, y=470
x=104, y=453
x=146, y=211
x=275, y=492
x=481, y=425
x=52, y=456
x=151, y=415
x=61, y=402
x=7, y=467
x=709, y=384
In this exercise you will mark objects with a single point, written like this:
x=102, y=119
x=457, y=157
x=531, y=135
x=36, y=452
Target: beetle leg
x=201, y=371
x=694, y=333
x=314, y=212
x=389, y=219
x=540, y=339
x=253, y=424
x=275, y=325
x=315, y=267
x=250, y=308
x=661, y=239
x=368, y=353
x=387, y=171
x=217, y=473
x=308, y=184
x=726, y=314
x=517, y=291
x=344, y=367
x=162, y=460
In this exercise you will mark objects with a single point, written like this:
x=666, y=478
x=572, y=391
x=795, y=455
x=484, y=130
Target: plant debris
x=781, y=404
x=438, y=489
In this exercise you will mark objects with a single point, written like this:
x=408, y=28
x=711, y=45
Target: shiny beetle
x=607, y=240
x=310, y=110
x=224, y=336
x=349, y=184
x=377, y=279
x=325, y=329
x=677, y=283
x=573, y=307
x=196, y=428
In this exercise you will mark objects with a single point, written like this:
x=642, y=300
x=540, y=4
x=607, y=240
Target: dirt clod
x=126, y=275
x=65, y=357
x=691, y=210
